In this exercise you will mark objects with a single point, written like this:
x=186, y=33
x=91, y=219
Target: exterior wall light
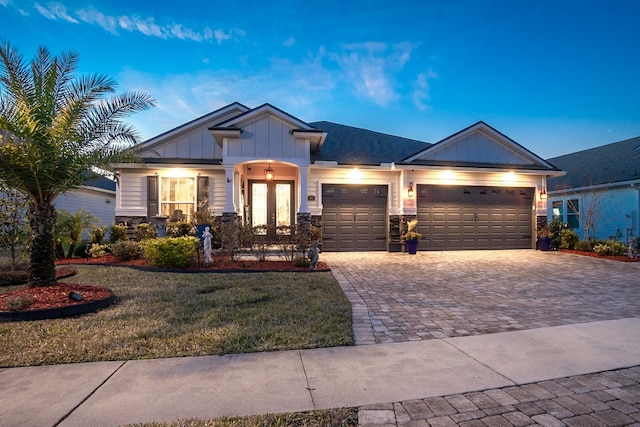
x=269, y=173
x=410, y=192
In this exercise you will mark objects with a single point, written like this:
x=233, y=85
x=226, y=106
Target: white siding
x=92, y=201
x=133, y=189
x=195, y=144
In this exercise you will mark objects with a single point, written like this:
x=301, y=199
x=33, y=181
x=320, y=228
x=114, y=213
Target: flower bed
x=621, y=258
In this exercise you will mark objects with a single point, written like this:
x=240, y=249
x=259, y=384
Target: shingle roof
x=615, y=162
x=356, y=146
x=101, y=182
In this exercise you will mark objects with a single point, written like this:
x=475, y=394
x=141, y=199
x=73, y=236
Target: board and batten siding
x=478, y=148
x=194, y=145
x=267, y=138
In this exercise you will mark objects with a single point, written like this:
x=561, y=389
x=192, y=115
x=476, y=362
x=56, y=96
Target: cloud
x=371, y=68
x=289, y=42
x=132, y=23
x=55, y=11
x=421, y=89
x=91, y=16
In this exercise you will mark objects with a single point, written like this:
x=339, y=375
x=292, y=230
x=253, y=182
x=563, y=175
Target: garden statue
x=206, y=246
x=314, y=255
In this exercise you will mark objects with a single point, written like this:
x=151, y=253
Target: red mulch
x=56, y=296
x=218, y=264
x=621, y=258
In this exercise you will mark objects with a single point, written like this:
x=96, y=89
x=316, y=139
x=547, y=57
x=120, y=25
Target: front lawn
x=186, y=314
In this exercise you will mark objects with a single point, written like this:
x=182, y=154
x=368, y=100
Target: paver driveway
x=400, y=297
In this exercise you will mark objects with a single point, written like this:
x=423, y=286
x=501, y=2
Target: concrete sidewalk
x=116, y=393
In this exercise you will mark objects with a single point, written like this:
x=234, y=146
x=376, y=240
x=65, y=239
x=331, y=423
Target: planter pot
x=544, y=243
x=412, y=246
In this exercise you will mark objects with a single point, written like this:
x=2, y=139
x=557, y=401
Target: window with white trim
x=178, y=198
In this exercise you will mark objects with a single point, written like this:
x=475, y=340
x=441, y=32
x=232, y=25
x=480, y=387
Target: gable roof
x=479, y=145
x=220, y=112
x=356, y=146
x=262, y=109
x=615, y=162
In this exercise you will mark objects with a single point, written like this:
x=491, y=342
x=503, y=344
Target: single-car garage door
x=471, y=217
x=354, y=217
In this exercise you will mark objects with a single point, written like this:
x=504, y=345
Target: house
x=476, y=189
x=599, y=197
x=97, y=196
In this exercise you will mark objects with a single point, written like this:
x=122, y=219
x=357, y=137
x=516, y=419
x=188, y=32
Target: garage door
x=354, y=217
x=457, y=217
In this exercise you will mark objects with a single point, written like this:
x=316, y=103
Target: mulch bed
x=621, y=258
x=56, y=296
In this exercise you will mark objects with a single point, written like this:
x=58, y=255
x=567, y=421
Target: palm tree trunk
x=42, y=218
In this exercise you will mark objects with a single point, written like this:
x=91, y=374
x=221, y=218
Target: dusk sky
x=555, y=76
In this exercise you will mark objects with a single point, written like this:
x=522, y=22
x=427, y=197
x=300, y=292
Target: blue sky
x=555, y=76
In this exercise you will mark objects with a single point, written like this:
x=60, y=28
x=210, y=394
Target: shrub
x=97, y=251
x=96, y=235
x=610, y=247
x=170, y=252
x=181, y=229
x=13, y=277
x=126, y=250
x=144, y=231
x=584, y=245
x=18, y=303
x=117, y=233
x=82, y=249
x=555, y=229
x=568, y=239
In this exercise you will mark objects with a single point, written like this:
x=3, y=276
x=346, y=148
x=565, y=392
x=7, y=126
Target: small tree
x=71, y=227
x=589, y=206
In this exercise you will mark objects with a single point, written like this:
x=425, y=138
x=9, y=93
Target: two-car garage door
x=471, y=217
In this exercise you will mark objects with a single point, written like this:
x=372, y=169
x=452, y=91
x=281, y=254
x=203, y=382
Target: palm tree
x=55, y=128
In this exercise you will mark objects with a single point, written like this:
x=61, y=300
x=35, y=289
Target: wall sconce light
x=410, y=192
x=107, y=200
x=269, y=173
x=543, y=194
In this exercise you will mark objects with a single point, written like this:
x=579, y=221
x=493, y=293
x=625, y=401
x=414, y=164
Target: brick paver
x=588, y=407
x=398, y=297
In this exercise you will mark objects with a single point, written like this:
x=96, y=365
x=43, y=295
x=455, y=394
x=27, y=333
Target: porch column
x=302, y=182
x=229, y=205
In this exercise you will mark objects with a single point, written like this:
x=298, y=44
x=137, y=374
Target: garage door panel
x=354, y=217
x=476, y=217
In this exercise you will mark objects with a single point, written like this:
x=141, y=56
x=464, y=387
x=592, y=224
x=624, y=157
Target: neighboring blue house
x=600, y=194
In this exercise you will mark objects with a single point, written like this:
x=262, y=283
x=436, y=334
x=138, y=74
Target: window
x=573, y=213
x=557, y=211
x=178, y=198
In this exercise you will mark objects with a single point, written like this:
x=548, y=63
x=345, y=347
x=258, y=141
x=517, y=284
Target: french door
x=271, y=204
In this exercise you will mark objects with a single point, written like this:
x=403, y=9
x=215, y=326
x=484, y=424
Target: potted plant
x=544, y=238
x=412, y=237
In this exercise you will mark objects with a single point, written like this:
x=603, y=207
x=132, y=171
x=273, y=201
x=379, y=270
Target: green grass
x=344, y=417
x=180, y=314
